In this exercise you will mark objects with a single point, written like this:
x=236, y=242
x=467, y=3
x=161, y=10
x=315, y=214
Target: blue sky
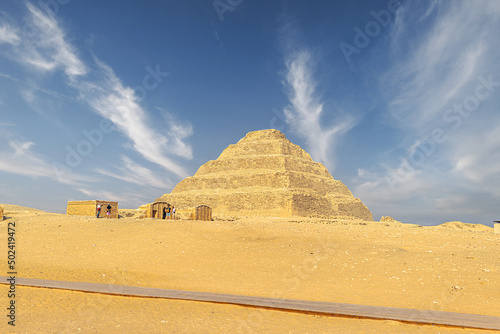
x=121, y=100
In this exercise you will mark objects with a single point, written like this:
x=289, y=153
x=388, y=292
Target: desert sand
x=453, y=267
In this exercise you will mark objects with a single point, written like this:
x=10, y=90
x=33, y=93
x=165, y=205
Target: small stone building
x=155, y=209
x=1, y=212
x=89, y=208
x=202, y=212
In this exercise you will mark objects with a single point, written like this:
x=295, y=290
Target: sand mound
x=389, y=220
x=457, y=225
x=17, y=209
x=265, y=175
x=131, y=213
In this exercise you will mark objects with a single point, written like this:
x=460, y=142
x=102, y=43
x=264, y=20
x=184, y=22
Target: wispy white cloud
x=127, y=199
x=432, y=72
x=9, y=35
x=47, y=49
x=113, y=100
x=133, y=172
x=178, y=131
x=22, y=160
x=430, y=10
x=305, y=112
x=103, y=195
x=8, y=76
x=476, y=156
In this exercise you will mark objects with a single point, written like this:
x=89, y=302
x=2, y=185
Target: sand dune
x=464, y=226
x=17, y=209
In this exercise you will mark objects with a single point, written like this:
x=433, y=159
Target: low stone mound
x=458, y=225
x=131, y=213
x=17, y=209
x=389, y=220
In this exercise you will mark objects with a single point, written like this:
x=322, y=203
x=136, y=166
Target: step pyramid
x=265, y=175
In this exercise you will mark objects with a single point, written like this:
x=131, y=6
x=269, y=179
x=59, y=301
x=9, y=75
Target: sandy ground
x=452, y=268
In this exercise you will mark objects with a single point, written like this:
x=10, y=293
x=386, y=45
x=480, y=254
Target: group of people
x=108, y=213
x=168, y=212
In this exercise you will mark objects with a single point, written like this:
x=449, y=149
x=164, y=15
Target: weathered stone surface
x=264, y=174
x=89, y=208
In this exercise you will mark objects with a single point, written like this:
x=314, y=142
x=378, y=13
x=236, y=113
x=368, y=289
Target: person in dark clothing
x=164, y=213
x=109, y=210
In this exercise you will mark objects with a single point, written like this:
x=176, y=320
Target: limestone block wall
x=311, y=205
x=1, y=212
x=258, y=162
x=302, y=165
x=234, y=180
x=89, y=208
x=320, y=185
x=264, y=148
x=270, y=162
x=351, y=206
x=184, y=213
x=252, y=202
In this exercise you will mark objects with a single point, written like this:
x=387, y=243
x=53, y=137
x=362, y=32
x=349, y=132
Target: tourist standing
x=109, y=210
x=98, y=210
x=173, y=213
x=164, y=212
x=168, y=212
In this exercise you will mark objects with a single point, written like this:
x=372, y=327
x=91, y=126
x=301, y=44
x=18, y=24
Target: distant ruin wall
x=89, y=208
x=1, y=212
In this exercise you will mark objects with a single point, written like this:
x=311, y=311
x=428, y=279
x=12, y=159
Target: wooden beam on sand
x=438, y=318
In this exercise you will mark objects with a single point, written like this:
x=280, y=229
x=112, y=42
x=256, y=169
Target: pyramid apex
x=268, y=134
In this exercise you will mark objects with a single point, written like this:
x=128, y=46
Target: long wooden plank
x=439, y=318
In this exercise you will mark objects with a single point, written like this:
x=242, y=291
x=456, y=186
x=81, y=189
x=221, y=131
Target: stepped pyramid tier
x=264, y=174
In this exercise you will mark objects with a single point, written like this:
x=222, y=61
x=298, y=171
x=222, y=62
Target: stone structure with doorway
x=155, y=209
x=202, y=212
x=89, y=208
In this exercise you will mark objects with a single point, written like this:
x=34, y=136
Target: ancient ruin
x=202, y=212
x=265, y=175
x=155, y=210
x=89, y=208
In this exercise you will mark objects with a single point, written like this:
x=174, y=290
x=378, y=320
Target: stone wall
x=89, y=208
x=1, y=212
